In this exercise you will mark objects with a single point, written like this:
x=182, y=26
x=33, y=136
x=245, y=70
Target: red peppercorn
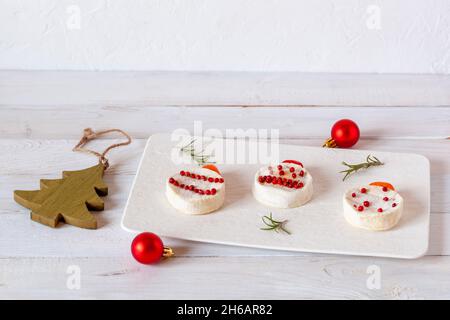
x=380, y=210
x=280, y=167
x=366, y=203
x=353, y=195
x=302, y=173
x=213, y=191
x=385, y=189
x=294, y=175
x=386, y=199
x=291, y=169
x=360, y=208
x=394, y=205
x=182, y=172
x=363, y=190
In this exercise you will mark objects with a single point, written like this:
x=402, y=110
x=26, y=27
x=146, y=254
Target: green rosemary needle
x=198, y=157
x=371, y=161
x=273, y=224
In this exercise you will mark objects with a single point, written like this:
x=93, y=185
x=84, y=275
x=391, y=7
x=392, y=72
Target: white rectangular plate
x=318, y=226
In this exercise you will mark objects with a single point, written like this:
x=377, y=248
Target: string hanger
x=89, y=134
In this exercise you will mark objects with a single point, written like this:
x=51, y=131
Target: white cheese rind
x=280, y=196
x=370, y=218
x=193, y=203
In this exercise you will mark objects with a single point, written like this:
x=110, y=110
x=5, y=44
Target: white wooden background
x=42, y=114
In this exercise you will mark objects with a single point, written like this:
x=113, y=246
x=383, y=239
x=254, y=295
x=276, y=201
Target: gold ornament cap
x=329, y=143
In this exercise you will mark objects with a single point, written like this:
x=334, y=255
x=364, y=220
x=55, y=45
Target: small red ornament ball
x=345, y=133
x=147, y=248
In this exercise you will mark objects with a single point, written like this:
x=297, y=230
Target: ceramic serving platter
x=318, y=226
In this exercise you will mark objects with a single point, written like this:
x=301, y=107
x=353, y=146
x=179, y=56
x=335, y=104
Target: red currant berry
x=360, y=208
x=182, y=173
x=353, y=195
x=213, y=191
x=366, y=203
x=380, y=210
x=302, y=173
x=386, y=199
x=363, y=190
x=291, y=169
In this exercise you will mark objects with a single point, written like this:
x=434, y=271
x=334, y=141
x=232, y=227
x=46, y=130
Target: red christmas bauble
x=147, y=248
x=345, y=133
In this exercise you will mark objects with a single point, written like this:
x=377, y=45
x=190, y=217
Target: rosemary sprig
x=198, y=157
x=273, y=224
x=371, y=161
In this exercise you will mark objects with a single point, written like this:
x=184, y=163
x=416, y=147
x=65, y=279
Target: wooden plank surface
x=311, y=277
x=52, y=88
x=56, y=122
x=43, y=113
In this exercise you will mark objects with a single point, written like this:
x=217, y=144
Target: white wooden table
x=42, y=114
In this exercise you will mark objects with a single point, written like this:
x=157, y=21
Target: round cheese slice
x=286, y=185
x=372, y=207
x=197, y=191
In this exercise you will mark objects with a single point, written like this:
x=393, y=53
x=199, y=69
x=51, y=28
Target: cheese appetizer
x=374, y=207
x=197, y=191
x=285, y=185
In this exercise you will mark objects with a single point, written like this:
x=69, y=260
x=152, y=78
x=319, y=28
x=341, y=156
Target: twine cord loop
x=89, y=134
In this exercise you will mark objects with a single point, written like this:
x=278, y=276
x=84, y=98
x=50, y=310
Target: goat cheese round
x=372, y=207
x=286, y=185
x=197, y=191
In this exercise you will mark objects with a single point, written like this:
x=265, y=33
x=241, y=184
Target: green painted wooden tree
x=68, y=199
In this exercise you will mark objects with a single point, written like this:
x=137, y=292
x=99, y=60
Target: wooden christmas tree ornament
x=69, y=199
